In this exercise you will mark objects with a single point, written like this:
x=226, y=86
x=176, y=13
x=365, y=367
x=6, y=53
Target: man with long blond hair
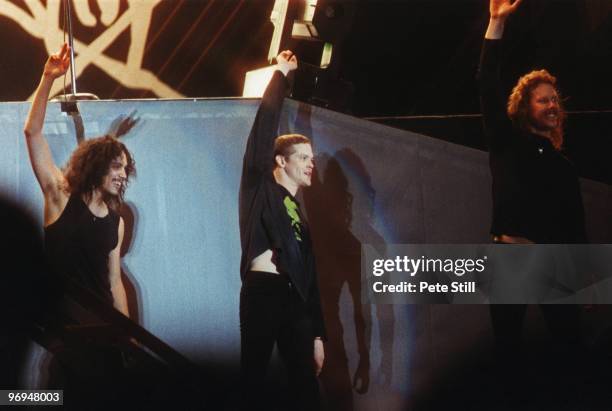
x=547, y=121
x=536, y=192
x=83, y=230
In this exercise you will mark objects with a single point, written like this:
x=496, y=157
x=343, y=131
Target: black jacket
x=536, y=192
x=264, y=222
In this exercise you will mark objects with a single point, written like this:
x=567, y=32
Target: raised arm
x=258, y=157
x=47, y=173
x=499, y=11
x=492, y=101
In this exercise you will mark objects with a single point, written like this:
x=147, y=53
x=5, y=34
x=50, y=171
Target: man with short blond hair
x=279, y=299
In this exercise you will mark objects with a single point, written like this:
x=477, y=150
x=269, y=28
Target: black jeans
x=563, y=321
x=271, y=311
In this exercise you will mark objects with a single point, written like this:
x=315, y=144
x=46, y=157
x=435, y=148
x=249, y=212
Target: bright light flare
x=256, y=81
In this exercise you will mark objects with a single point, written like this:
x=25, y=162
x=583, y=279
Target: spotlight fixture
x=315, y=31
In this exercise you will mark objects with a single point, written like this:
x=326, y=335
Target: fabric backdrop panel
x=373, y=185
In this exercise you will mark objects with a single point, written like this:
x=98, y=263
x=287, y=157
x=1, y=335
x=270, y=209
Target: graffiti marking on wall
x=43, y=22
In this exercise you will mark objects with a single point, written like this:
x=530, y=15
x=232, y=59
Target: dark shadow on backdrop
x=336, y=204
x=330, y=206
x=129, y=213
x=123, y=124
x=119, y=128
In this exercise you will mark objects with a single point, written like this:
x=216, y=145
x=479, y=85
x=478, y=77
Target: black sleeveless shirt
x=78, y=244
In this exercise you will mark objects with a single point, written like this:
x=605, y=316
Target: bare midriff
x=263, y=262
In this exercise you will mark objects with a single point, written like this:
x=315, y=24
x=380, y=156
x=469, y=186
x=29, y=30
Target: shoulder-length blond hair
x=518, y=103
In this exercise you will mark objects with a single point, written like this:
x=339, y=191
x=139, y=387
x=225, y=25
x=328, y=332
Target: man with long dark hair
x=83, y=230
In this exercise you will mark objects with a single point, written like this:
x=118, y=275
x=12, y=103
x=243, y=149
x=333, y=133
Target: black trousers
x=271, y=311
x=563, y=321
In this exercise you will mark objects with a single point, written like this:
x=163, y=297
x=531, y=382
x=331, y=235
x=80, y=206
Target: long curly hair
x=518, y=103
x=90, y=163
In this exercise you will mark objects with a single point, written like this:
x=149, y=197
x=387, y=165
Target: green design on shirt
x=294, y=214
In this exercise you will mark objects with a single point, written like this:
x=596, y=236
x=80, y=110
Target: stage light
x=256, y=81
x=304, y=30
x=314, y=30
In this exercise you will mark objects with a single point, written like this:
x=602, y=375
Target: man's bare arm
x=114, y=272
x=47, y=173
x=258, y=157
x=499, y=11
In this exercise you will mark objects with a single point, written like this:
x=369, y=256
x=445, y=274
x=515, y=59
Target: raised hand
x=123, y=125
x=286, y=61
x=57, y=64
x=501, y=9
